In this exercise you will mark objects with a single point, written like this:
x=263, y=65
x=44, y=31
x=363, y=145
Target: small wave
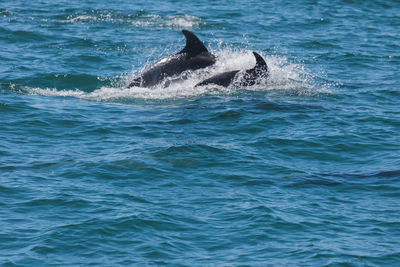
x=173, y=22
x=92, y=17
x=81, y=19
x=285, y=76
x=55, y=92
x=5, y=13
x=139, y=19
x=184, y=21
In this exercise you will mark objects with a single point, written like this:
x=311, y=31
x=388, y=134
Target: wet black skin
x=249, y=77
x=193, y=57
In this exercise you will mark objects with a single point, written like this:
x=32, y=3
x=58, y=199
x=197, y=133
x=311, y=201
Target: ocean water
x=303, y=170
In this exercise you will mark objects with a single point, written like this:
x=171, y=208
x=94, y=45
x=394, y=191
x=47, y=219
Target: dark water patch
x=23, y=36
x=281, y=106
x=88, y=59
x=54, y=203
x=181, y=121
x=228, y=115
x=83, y=82
x=42, y=165
x=388, y=174
x=128, y=170
x=11, y=191
x=189, y=148
x=380, y=120
x=130, y=198
x=68, y=124
x=192, y=155
x=390, y=93
x=258, y=182
x=394, y=173
x=313, y=183
x=41, y=125
x=124, y=228
x=85, y=43
x=351, y=84
x=321, y=44
x=379, y=182
x=8, y=108
x=247, y=180
x=125, y=165
x=3, y=151
x=357, y=59
x=99, y=131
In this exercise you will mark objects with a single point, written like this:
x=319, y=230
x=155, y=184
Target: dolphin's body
x=240, y=78
x=194, y=56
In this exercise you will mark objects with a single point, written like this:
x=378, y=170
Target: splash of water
x=285, y=76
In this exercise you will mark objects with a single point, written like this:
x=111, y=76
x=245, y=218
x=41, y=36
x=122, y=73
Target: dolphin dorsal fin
x=193, y=45
x=260, y=62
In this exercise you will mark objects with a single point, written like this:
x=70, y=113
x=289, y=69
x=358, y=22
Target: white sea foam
x=284, y=76
x=184, y=21
x=178, y=22
x=139, y=20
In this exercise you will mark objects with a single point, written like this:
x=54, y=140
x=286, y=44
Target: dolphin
x=194, y=56
x=240, y=78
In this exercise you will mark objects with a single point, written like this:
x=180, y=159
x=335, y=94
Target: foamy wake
x=284, y=76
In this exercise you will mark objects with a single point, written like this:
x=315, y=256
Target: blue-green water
x=302, y=171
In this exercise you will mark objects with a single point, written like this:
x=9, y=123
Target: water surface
x=302, y=170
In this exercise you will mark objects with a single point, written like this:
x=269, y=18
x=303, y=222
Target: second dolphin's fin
x=260, y=63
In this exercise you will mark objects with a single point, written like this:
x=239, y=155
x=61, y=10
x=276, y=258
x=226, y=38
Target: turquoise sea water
x=301, y=171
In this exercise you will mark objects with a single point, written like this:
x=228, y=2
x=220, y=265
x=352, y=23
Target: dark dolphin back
x=249, y=77
x=192, y=57
x=254, y=75
x=223, y=79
